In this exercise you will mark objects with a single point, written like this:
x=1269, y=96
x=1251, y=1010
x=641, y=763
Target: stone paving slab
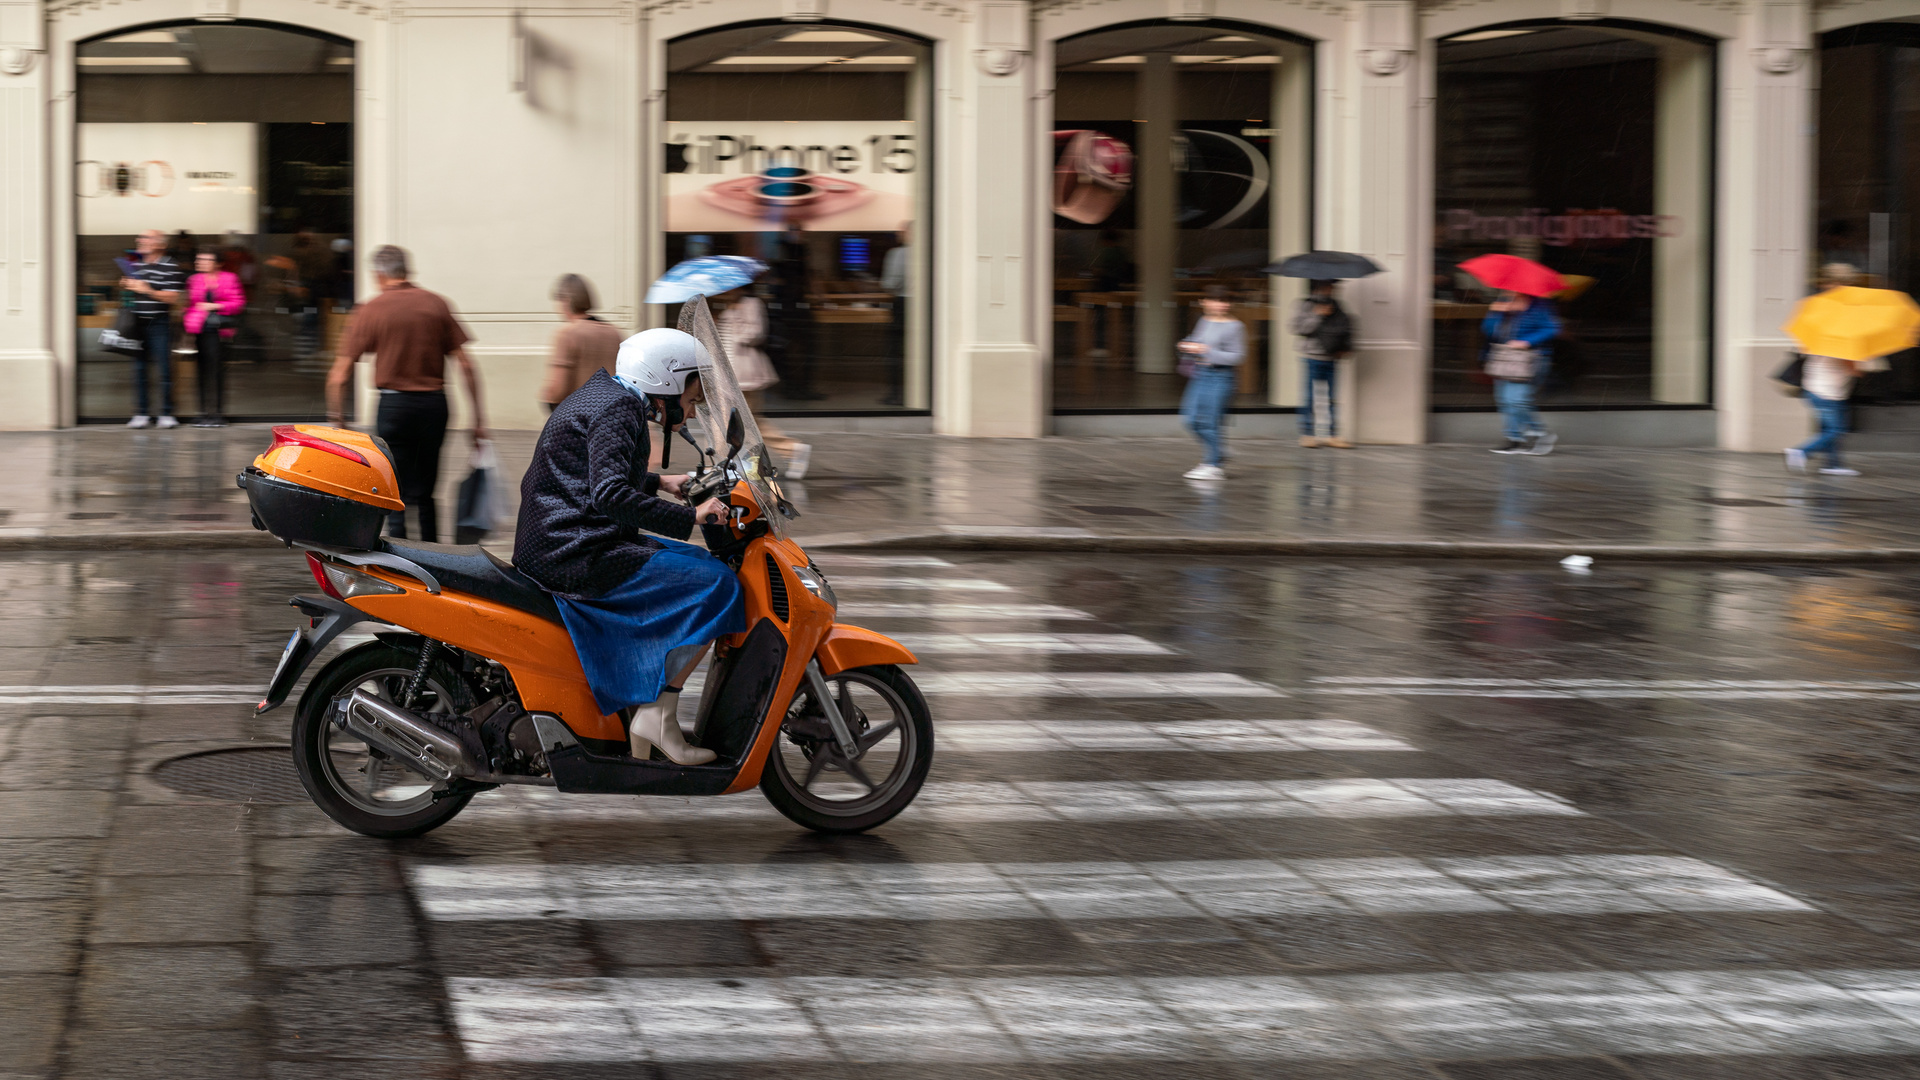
x=112, y=489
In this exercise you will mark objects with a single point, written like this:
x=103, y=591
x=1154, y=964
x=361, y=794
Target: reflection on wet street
x=1221, y=818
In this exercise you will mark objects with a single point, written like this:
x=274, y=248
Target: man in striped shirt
x=152, y=286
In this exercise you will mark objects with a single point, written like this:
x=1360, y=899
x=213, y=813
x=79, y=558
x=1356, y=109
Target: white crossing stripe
x=133, y=694
x=1699, y=689
x=930, y=583
x=957, y=612
x=1543, y=884
x=979, y=644
x=1082, y=801
x=1189, y=1018
x=1092, y=684
x=834, y=558
x=1163, y=736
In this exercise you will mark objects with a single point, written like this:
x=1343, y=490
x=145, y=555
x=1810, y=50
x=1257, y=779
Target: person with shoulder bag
x=1324, y=332
x=214, y=301
x=1520, y=331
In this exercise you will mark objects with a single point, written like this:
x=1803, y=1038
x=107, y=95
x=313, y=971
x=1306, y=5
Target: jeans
x=1319, y=371
x=1516, y=403
x=158, y=332
x=1204, y=406
x=1832, y=415
x=212, y=374
x=415, y=426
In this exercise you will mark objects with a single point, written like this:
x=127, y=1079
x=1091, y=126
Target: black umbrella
x=1321, y=265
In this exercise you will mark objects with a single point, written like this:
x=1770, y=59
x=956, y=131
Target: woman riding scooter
x=642, y=610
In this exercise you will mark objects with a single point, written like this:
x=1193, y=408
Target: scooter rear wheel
x=806, y=777
x=347, y=780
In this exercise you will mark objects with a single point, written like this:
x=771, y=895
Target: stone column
x=1374, y=199
x=1765, y=196
x=28, y=368
x=1156, y=201
x=990, y=372
x=1680, y=196
x=1288, y=227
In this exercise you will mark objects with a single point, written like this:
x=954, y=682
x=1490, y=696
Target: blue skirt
x=681, y=597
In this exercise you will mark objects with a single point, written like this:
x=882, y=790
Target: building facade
x=980, y=217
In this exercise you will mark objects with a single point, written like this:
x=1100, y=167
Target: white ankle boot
x=658, y=724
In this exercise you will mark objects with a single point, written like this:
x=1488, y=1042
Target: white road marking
x=133, y=694
x=1092, y=684
x=1082, y=801
x=1548, y=884
x=1189, y=1018
x=833, y=558
x=980, y=644
x=1163, y=736
x=854, y=584
x=1698, y=689
x=957, y=612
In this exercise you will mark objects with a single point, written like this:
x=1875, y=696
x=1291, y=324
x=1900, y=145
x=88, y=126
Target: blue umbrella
x=709, y=275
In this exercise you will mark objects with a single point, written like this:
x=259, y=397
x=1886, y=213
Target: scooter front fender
x=847, y=647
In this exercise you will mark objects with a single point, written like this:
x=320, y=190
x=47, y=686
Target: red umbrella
x=1514, y=273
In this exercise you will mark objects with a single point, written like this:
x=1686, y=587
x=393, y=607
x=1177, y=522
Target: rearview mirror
x=736, y=432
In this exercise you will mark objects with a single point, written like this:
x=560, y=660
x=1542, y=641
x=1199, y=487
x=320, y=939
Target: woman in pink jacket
x=213, y=299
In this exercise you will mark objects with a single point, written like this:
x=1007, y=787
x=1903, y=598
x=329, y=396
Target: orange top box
x=336, y=461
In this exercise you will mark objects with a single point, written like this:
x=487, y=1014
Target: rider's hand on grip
x=711, y=512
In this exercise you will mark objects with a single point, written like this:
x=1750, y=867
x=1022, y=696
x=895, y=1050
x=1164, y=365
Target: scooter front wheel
x=809, y=780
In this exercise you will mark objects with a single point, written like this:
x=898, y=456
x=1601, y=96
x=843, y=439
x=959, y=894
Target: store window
x=1584, y=146
x=234, y=140
x=805, y=145
x=1870, y=172
x=1180, y=157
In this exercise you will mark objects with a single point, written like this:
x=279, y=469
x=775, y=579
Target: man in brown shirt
x=411, y=333
x=583, y=346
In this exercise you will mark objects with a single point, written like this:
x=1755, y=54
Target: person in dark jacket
x=1523, y=322
x=639, y=608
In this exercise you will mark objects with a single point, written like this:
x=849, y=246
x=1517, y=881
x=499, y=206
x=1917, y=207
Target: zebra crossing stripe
x=857, y=609
x=933, y=584
x=1163, y=736
x=1239, y=888
x=979, y=644
x=835, y=559
x=935, y=1019
x=1092, y=684
x=1086, y=802
x=1603, y=689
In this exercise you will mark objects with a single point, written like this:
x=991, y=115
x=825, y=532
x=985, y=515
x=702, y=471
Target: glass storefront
x=231, y=139
x=1870, y=172
x=1180, y=151
x=1585, y=146
x=805, y=145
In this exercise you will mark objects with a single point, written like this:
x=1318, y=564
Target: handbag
x=1792, y=376
x=482, y=499
x=1508, y=364
x=125, y=336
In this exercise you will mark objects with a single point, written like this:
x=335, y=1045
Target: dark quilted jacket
x=588, y=494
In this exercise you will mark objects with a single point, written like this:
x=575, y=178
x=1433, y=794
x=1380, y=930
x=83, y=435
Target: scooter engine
x=513, y=746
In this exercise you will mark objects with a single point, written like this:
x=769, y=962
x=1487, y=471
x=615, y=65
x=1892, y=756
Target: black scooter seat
x=469, y=568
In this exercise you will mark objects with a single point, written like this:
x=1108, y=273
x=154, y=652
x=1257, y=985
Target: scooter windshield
x=722, y=397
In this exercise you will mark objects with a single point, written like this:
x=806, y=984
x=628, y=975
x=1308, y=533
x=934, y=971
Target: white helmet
x=659, y=361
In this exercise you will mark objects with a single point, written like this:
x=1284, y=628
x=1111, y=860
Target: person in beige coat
x=583, y=346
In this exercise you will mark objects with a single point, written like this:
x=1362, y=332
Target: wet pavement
x=1212, y=818
x=118, y=488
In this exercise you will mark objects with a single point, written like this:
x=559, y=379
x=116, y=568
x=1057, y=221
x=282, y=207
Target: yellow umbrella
x=1855, y=324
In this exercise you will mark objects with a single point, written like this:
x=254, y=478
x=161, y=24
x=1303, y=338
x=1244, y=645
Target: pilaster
x=990, y=371
x=27, y=365
x=1373, y=194
x=1765, y=222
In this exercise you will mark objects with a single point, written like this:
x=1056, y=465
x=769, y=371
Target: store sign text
x=1559, y=230
x=750, y=154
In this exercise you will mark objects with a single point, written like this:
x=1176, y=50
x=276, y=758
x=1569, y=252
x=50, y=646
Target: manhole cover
x=264, y=775
x=199, y=517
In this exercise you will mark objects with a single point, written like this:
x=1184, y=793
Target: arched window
x=234, y=139
x=806, y=145
x=1180, y=167
x=1585, y=146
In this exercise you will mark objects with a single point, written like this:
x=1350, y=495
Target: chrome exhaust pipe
x=406, y=738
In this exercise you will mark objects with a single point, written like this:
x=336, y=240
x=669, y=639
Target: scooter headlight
x=816, y=583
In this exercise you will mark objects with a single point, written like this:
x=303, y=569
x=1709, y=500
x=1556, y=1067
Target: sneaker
x=1309, y=441
x=1839, y=470
x=167, y=422
x=140, y=421
x=1796, y=460
x=1337, y=443
x=1511, y=446
x=1205, y=472
x=797, y=461
x=1542, y=444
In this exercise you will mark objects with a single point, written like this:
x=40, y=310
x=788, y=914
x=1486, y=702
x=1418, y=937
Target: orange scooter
x=473, y=681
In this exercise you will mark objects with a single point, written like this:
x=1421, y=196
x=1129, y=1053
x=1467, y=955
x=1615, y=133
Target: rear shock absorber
x=420, y=671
